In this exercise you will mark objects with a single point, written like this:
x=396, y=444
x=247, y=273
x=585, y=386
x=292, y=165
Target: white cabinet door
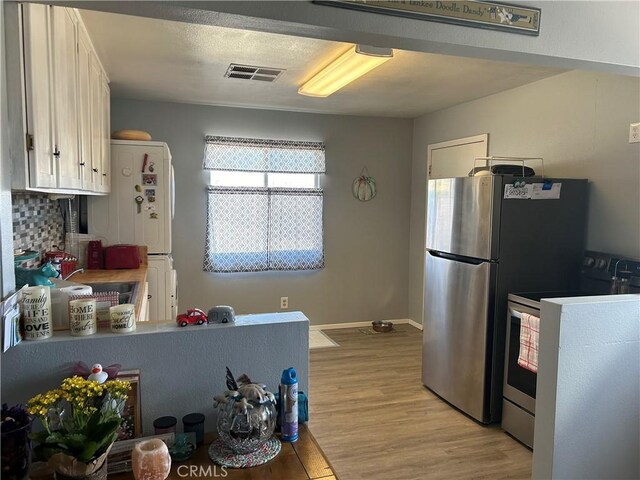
x=39, y=94
x=65, y=81
x=95, y=99
x=89, y=170
x=106, y=136
x=455, y=158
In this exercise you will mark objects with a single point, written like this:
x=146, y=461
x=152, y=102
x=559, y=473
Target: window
x=264, y=209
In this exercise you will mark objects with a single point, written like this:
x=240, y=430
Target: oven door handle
x=515, y=313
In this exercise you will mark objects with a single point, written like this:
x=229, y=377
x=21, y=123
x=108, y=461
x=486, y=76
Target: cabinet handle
x=149, y=297
x=82, y=164
x=56, y=153
x=95, y=170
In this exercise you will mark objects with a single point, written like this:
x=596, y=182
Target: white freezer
x=116, y=218
x=163, y=288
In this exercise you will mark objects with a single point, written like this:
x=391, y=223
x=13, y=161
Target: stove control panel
x=604, y=266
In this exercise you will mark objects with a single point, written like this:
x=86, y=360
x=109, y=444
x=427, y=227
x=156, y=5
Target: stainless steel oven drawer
x=518, y=422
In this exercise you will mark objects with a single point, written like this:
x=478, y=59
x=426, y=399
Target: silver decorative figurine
x=246, y=414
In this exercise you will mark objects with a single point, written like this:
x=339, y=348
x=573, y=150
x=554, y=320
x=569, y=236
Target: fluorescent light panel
x=351, y=65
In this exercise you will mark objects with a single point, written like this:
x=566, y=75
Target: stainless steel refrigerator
x=487, y=237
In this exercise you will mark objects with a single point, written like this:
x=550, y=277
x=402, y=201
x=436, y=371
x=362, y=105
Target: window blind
x=257, y=229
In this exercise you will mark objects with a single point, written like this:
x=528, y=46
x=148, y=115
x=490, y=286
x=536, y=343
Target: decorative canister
x=123, y=318
x=246, y=415
x=36, y=313
x=194, y=422
x=164, y=425
x=82, y=317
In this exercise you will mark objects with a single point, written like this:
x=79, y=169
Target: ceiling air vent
x=248, y=72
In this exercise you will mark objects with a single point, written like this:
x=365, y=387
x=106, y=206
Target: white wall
x=366, y=244
x=588, y=395
x=578, y=122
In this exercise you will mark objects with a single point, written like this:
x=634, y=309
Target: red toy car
x=193, y=316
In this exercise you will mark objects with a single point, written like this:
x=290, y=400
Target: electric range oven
x=601, y=274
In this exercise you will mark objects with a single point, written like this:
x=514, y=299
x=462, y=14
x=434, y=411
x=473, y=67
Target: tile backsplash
x=37, y=224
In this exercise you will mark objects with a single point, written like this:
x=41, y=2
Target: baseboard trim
x=335, y=326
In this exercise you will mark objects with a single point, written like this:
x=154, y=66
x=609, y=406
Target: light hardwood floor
x=374, y=420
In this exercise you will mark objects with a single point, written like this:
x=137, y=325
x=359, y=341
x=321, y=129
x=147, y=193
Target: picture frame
x=132, y=414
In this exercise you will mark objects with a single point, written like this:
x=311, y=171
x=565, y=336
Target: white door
x=39, y=94
x=65, y=83
x=455, y=158
x=89, y=170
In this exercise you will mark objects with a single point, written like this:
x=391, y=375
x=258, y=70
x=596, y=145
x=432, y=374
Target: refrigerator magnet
x=150, y=179
x=153, y=216
x=150, y=193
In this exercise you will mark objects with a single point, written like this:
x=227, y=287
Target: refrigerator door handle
x=456, y=258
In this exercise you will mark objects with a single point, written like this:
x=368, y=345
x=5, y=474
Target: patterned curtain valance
x=260, y=155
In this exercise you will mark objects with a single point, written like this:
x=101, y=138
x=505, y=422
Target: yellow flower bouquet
x=80, y=421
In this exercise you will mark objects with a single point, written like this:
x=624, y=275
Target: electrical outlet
x=284, y=303
x=634, y=133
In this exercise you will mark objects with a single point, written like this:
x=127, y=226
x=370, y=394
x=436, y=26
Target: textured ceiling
x=151, y=59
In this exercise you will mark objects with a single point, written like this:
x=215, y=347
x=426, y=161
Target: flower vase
x=69, y=468
x=16, y=453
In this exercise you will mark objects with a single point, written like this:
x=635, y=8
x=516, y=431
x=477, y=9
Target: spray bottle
x=289, y=405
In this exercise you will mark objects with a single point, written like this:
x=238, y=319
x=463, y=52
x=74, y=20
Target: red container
x=56, y=258
x=95, y=257
x=121, y=256
x=63, y=262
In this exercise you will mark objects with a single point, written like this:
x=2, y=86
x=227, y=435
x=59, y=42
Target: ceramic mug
x=123, y=318
x=82, y=317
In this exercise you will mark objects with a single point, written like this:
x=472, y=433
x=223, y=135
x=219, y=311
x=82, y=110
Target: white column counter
x=588, y=393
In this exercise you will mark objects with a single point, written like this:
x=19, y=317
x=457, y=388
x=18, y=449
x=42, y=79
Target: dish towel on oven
x=529, y=333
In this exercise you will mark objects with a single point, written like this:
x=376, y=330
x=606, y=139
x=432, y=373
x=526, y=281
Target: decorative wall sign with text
x=490, y=15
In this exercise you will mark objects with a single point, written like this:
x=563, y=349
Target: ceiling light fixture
x=351, y=65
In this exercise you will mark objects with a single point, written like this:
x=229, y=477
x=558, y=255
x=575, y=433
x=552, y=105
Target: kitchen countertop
x=108, y=276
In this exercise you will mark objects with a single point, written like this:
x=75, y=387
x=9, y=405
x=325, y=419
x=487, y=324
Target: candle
x=123, y=318
x=150, y=460
x=36, y=313
x=82, y=317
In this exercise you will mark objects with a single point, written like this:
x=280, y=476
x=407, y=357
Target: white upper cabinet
x=65, y=83
x=41, y=168
x=65, y=110
x=97, y=129
x=105, y=186
x=90, y=165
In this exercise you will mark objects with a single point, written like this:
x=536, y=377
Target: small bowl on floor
x=382, y=327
